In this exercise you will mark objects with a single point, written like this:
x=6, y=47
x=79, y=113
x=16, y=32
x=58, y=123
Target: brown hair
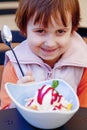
x=44, y=9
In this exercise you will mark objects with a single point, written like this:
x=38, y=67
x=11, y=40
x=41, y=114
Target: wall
x=83, y=6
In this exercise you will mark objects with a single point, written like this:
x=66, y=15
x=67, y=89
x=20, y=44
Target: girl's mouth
x=49, y=50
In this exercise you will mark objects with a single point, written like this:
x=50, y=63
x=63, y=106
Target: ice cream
x=48, y=99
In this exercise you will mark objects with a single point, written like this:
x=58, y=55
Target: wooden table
x=11, y=120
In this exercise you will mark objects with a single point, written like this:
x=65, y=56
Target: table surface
x=10, y=119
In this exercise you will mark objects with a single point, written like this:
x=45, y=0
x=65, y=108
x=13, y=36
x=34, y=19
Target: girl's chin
x=49, y=60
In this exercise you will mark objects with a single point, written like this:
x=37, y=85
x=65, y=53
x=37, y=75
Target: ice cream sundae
x=48, y=99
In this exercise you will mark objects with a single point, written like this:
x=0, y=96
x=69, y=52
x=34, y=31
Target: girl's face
x=49, y=43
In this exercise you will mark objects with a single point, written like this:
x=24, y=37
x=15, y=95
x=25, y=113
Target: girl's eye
x=41, y=31
x=60, y=32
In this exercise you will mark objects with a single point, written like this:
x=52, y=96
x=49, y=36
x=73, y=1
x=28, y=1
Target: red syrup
x=41, y=95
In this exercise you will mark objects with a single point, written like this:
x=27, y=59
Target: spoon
x=6, y=36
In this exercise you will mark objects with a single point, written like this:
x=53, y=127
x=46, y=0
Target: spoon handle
x=17, y=61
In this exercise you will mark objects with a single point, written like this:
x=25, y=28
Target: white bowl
x=43, y=120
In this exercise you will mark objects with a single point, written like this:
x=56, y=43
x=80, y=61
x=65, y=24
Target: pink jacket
x=69, y=68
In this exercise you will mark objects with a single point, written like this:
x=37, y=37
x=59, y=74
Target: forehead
x=53, y=20
x=59, y=21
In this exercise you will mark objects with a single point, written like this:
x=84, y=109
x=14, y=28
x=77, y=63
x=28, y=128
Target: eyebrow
x=39, y=26
x=67, y=28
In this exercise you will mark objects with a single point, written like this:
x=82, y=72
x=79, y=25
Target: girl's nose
x=50, y=41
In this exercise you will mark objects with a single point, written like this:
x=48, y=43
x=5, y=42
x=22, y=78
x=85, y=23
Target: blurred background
x=7, y=13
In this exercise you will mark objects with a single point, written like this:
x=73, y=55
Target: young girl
x=52, y=49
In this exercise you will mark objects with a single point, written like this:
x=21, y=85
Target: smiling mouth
x=48, y=50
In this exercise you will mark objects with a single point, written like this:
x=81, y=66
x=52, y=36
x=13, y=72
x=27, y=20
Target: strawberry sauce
x=41, y=95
